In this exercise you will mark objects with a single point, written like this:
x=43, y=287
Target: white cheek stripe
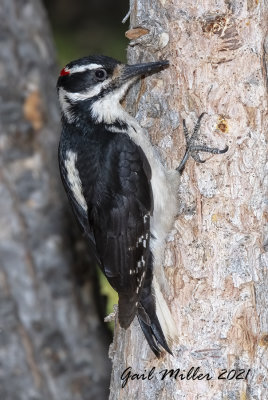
x=107, y=109
x=83, y=68
x=74, y=179
x=87, y=94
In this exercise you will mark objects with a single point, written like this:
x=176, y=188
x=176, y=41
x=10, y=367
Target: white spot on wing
x=115, y=129
x=74, y=179
x=145, y=217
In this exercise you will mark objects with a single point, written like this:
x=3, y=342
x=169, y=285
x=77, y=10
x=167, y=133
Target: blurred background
x=53, y=299
x=88, y=27
x=82, y=28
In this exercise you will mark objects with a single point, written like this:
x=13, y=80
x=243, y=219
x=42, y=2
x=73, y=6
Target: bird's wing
x=120, y=220
x=78, y=210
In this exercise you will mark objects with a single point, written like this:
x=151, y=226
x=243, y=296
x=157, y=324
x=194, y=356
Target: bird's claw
x=193, y=149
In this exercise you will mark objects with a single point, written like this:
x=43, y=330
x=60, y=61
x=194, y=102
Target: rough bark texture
x=52, y=344
x=215, y=256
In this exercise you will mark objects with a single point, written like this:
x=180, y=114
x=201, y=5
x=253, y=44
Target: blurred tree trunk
x=215, y=257
x=52, y=344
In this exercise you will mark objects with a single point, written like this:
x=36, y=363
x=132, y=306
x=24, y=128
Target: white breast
x=164, y=183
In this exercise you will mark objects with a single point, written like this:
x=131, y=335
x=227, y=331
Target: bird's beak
x=137, y=70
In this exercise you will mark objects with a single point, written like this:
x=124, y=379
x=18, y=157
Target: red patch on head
x=64, y=72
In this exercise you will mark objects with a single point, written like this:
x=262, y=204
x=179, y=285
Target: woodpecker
x=124, y=200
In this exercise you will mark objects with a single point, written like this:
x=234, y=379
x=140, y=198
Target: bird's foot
x=193, y=149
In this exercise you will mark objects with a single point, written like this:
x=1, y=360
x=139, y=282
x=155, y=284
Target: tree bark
x=52, y=343
x=215, y=256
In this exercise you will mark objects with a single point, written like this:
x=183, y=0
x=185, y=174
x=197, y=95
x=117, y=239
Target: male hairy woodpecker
x=124, y=199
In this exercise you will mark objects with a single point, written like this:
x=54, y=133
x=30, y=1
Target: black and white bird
x=122, y=196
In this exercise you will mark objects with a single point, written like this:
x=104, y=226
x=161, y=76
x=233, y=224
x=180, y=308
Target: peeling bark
x=52, y=344
x=215, y=256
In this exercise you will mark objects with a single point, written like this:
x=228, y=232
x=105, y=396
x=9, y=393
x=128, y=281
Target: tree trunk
x=215, y=256
x=52, y=344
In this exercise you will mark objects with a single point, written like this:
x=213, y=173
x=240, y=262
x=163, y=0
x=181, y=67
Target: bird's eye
x=101, y=74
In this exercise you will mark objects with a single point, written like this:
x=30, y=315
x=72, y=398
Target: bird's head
x=95, y=85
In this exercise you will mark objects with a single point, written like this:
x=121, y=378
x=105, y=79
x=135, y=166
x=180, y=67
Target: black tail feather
x=127, y=309
x=145, y=309
x=147, y=317
x=147, y=331
x=158, y=333
x=151, y=328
